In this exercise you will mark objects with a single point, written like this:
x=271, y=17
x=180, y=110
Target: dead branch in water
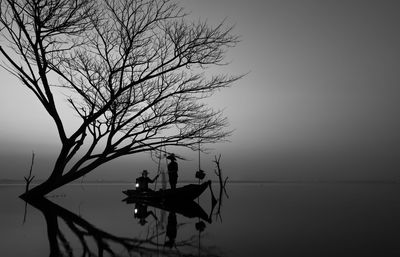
x=29, y=179
x=218, y=172
x=222, y=184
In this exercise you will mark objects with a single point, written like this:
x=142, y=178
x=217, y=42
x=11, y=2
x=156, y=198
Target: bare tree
x=133, y=70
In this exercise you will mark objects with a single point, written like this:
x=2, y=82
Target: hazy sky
x=320, y=100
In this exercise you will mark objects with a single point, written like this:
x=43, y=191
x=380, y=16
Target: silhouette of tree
x=133, y=71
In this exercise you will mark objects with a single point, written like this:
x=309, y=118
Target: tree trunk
x=56, y=178
x=59, y=180
x=42, y=189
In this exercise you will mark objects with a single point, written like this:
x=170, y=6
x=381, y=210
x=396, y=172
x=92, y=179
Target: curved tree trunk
x=57, y=179
x=54, y=181
x=44, y=188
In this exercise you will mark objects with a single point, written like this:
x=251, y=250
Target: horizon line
x=276, y=181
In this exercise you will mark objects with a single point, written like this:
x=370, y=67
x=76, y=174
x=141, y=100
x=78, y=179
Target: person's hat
x=145, y=172
x=171, y=157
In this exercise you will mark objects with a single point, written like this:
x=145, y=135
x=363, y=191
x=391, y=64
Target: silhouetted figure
x=142, y=183
x=172, y=170
x=142, y=213
x=172, y=229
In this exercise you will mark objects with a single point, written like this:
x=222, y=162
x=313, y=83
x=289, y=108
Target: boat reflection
x=81, y=238
x=189, y=209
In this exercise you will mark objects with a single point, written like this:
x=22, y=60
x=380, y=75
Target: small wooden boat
x=180, y=194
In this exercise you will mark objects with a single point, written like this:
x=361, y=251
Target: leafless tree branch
x=133, y=71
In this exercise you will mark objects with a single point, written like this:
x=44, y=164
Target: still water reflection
x=98, y=223
x=256, y=220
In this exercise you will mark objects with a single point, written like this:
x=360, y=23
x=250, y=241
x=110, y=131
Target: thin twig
x=29, y=179
x=222, y=185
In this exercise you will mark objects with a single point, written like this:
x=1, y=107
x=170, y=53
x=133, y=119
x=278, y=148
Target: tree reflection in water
x=84, y=239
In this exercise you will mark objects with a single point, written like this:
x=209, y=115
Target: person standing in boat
x=172, y=171
x=142, y=183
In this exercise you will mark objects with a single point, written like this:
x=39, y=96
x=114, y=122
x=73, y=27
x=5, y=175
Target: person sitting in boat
x=142, y=183
x=172, y=171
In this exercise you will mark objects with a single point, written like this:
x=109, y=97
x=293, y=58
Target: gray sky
x=320, y=100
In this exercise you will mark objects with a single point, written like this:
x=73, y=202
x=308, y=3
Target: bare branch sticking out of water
x=218, y=172
x=222, y=185
x=29, y=178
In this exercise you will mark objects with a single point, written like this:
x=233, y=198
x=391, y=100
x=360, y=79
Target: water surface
x=266, y=219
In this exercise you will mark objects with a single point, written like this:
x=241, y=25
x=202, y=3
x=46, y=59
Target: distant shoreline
x=8, y=182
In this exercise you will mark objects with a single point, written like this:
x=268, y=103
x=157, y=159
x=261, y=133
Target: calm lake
x=266, y=219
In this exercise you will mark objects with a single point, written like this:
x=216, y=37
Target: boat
x=189, y=209
x=181, y=194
